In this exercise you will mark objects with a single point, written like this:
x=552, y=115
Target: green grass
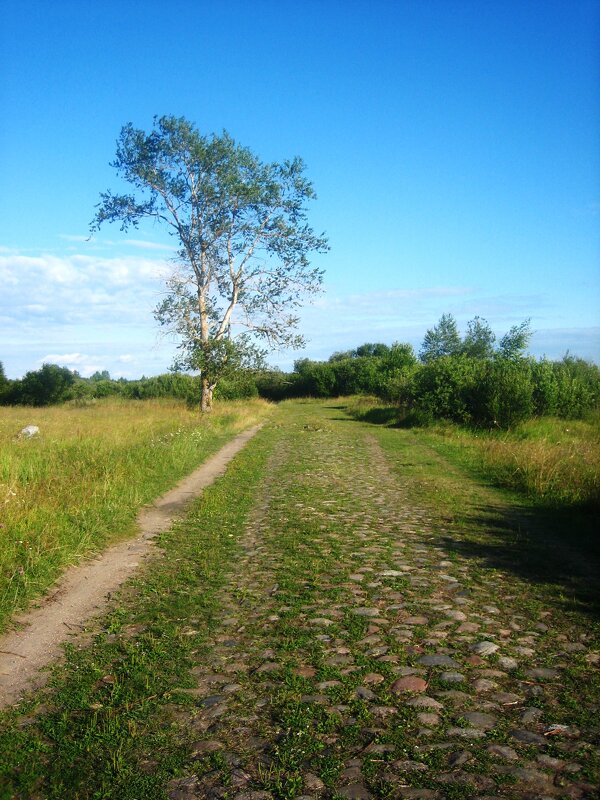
x=105, y=728
x=114, y=722
x=78, y=485
x=547, y=459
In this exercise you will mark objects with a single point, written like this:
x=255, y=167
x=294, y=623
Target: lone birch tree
x=243, y=241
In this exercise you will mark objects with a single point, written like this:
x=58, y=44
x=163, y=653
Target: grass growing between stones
x=78, y=485
x=315, y=631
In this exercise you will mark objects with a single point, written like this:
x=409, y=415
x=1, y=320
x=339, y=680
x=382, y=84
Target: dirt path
x=84, y=590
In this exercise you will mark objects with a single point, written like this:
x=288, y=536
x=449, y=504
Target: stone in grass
x=543, y=672
x=452, y=677
x=478, y=719
x=507, y=698
x=531, y=777
x=423, y=701
x=409, y=766
x=363, y=611
x=466, y=733
x=507, y=663
x=485, y=648
x=312, y=783
x=459, y=758
x=356, y=791
x=439, y=660
x=530, y=715
x=428, y=718
x=483, y=685
x=365, y=694
x=527, y=737
x=28, y=431
x=503, y=751
x=410, y=683
x=373, y=678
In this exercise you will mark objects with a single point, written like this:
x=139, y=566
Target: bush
x=504, y=393
x=42, y=387
x=444, y=388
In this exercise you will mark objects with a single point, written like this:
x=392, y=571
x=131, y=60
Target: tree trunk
x=207, y=395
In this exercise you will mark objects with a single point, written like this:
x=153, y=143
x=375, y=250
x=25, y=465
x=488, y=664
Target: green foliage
x=479, y=340
x=4, y=383
x=443, y=388
x=441, y=340
x=504, y=393
x=514, y=343
x=42, y=387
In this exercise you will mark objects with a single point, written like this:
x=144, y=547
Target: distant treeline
x=53, y=384
x=472, y=380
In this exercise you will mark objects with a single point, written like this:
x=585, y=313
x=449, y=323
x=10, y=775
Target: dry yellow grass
x=551, y=459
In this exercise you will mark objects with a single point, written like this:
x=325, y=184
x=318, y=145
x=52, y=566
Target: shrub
x=42, y=387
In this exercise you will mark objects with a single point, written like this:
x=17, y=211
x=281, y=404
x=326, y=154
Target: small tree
x=514, y=343
x=244, y=242
x=479, y=339
x=441, y=340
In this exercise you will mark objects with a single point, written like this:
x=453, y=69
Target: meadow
x=77, y=486
x=272, y=638
x=549, y=460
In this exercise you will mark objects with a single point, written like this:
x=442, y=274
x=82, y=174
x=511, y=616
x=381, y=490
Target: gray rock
x=530, y=715
x=365, y=694
x=485, y=648
x=459, y=758
x=503, y=751
x=466, y=733
x=507, y=662
x=479, y=720
x=543, y=672
x=507, y=698
x=409, y=766
x=356, y=791
x=366, y=612
x=424, y=702
x=527, y=737
x=312, y=783
x=440, y=660
x=452, y=677
x=532, y=777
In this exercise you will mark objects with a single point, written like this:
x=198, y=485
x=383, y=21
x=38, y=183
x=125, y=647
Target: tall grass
x=552, y=460
x=79, y=484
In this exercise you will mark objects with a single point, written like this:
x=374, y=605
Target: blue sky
x=453, y=147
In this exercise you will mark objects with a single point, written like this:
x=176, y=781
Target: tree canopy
x=242, y=268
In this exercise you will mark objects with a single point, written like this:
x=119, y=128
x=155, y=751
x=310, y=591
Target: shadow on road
x=551, y=547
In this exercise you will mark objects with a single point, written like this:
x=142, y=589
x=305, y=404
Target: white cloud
x=66, y=359
x=144, y=245
x=125, y=359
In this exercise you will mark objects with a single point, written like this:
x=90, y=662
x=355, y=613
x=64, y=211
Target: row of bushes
x=493, y=392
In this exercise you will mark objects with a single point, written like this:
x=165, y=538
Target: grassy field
x=551, y=460
x=78, y=485
x=260, y=583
